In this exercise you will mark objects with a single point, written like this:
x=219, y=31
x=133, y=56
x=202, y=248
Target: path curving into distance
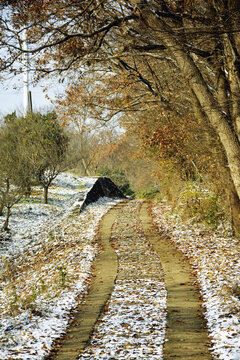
x=186, y=335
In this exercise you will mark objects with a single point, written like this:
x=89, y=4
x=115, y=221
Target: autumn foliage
x=168, y=71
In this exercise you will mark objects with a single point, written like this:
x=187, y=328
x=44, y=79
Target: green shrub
x=148, y=193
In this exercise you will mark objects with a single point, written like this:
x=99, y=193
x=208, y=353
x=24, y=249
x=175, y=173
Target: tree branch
x=180, y=16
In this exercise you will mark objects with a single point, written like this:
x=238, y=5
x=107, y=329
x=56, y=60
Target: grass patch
x=148, y=193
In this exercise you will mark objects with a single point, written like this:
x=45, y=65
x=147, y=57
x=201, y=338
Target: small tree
x=45, y=145
x=10, y=196
x=31, y=146
x=12, y=180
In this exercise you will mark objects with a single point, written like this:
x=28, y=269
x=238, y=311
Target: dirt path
x=133, y=325
x=138, y=263
x=105, y=271
x=186, y=335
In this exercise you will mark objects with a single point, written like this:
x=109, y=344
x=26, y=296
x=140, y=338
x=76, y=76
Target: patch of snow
x=29, y=219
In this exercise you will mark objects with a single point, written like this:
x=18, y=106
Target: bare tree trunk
x=45, y=194
x=1, y=209
x=6, y=222
x=234, y=203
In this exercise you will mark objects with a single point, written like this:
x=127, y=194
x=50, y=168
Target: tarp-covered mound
x=102, y=187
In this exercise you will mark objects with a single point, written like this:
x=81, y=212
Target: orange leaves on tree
x=72, y=47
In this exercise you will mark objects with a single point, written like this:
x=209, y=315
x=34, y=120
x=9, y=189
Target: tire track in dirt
x=105, y=271
x=186, y=335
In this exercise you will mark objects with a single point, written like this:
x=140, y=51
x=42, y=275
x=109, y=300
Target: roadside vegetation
x=160, y=106
x=46, y=267
x=35, y=148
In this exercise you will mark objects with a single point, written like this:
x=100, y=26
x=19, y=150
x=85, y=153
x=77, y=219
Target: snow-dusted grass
x=31, y=216
x=216, y=262
x=46, y=267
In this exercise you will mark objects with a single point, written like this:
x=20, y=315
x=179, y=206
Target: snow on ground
x=216, y=262
x=31, y=216
x=46, y=267
x=133, y=326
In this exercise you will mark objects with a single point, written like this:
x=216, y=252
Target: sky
x=11, y=100
x=11, y=90
x=11, y=97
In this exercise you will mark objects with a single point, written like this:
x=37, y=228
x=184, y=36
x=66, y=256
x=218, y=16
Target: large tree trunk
x=234, y=203
x=223, y=169
x=216, y=117
x=226, y=134
x=194, y=79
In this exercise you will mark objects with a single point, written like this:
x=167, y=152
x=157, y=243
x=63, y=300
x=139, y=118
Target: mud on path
x=137, y=269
